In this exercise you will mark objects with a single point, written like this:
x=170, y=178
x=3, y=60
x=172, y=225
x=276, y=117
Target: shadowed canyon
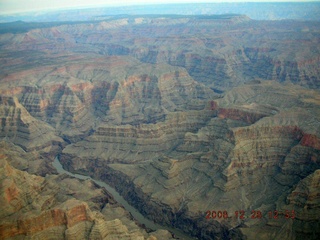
x=209, y=124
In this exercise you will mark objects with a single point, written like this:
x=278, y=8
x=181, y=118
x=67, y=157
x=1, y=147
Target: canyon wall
x=185, y=116
x=60, y=207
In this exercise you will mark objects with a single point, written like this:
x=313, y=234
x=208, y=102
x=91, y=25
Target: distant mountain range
x=258, y=11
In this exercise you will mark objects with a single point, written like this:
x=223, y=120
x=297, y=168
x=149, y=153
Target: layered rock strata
x=220, y=53
x=157, y=106
x=21, y=128
x=60, y=207
x=77, y=98
x=248, y=146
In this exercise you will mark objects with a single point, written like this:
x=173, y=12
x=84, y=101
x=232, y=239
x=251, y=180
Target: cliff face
x=246, y=146
x=221, y=53
x=184, y=116
x=60, y=207
x=77, y=98
x=144, y=142
x=18, y=126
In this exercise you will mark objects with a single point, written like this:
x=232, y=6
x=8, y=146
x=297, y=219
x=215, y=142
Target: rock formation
x=246, y=144
x=21, y=128
x=60, y=207
x=185, y=116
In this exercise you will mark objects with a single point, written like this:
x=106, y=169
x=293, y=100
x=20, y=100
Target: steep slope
x=19, y=127
x=60, y=207
x=33, y=162
x=74, y=99
x=249, y=146
x=186, y=116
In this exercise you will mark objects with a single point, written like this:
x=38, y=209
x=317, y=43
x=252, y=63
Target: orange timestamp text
x=253, y=214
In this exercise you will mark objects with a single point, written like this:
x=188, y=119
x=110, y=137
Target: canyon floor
x=207, y=124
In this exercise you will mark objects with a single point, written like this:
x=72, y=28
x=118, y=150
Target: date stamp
x=253, y=214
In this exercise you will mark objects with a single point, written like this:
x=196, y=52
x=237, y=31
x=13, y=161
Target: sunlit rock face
x=182, y=115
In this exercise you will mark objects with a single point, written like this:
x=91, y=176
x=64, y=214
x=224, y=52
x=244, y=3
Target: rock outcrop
x=21, y=128
x=246, y=144
x=60, y=207
x=77, y=98
x=185, y=116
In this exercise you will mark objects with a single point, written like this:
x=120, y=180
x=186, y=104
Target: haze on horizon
x=19, y=6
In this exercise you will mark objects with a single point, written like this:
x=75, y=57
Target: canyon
x=185, y=116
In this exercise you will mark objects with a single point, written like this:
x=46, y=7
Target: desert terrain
x=209, y=124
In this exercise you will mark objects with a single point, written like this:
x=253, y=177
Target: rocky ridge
x=23, y=129
x=60, y=207
x=244, y=144
x=181, y=115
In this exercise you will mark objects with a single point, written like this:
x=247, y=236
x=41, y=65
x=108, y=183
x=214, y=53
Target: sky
x=16, y=6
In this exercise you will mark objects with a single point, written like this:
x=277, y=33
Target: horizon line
x=111, y=5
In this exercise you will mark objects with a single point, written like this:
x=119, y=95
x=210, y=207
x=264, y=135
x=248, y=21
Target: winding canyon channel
x=134, y=212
